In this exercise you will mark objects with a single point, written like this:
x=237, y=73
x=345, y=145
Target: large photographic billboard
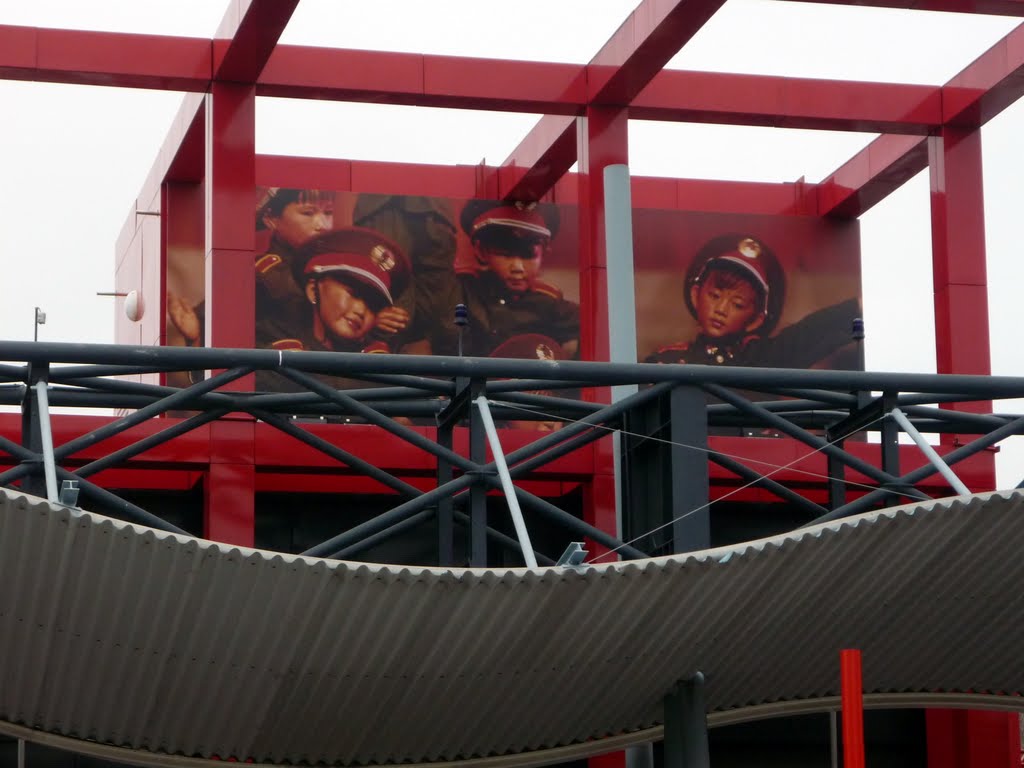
x=377, y=273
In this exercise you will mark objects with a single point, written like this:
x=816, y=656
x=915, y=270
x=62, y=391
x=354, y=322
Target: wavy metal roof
x=117, y=637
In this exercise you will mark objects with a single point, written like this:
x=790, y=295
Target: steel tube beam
x=803, y=435
x=865, y=502
x=43, y=408
x=930, y=453
x=522, y=534
x=408, y=435
x=179, y=399
x=126, y=508
x=756, y=478
x=152, y=441
x=282, y=424
x=371, y=541
x=597, y=374
x=574, y=524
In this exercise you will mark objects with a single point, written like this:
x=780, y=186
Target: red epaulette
x=680, y=346
x=267, y=262
x=286, y=344
x=377, y=348
x=548, y=289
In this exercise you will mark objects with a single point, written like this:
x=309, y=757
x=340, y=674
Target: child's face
x=300, y=221
x=726, y=310
x=517, y=270
x=345, y=308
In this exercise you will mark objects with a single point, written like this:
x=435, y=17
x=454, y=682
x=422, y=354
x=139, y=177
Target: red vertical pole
x=852, y=687
x=230, y=184
x=958, y=738
x=958, y=258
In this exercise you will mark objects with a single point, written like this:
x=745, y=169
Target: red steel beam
x=789, y=102
x=104, y=58
x=986, y=87
x=634, y=54
x=247, y=36
x=869, y=176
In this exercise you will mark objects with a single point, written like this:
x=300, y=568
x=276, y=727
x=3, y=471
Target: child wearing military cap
x=735, y=289
x=505, y=295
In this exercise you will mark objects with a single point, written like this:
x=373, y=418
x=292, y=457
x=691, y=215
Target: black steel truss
x=664, y=426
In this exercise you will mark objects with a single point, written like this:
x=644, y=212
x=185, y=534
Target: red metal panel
x=716, y=97
x=134, y=61
x=232, y=441
x=972, y=739
x=229, y=503
x=303, y=172
x=742, y=197
x=958, y=253
x=603, y=141
x=18, y=52
x=247, y=36
x=411, y=179
x=230, y=233
x=872, y=174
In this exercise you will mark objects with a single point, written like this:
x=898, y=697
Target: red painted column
x=602, y=140
x=962, y=738
x=230, y=298
x=958, y=255
x=852, y=688
x=972, y=739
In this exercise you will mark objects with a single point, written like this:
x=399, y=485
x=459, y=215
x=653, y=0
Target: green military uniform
x=423, y=228
x=799, y=345
x=282, y=310
x=497, y=314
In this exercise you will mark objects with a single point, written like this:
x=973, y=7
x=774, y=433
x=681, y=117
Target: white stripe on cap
x=369, y=276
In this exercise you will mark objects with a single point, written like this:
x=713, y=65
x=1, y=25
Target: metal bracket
x=573, y=556
x=69, y=493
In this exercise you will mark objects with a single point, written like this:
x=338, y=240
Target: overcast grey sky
x=73, y=158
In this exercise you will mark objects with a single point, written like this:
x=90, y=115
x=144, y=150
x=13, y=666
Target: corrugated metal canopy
x=116, y=637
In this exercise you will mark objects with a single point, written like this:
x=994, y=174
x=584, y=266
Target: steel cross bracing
x=819, y=409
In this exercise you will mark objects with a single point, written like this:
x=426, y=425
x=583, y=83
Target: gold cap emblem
x=749, y=247
x=544, y=352
x=382, y=257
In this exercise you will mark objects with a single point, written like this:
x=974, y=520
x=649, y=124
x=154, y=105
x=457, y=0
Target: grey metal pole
x=506, y=483
x=618, y=234
x=929, y=452
x=686, y=725
x=49, y=466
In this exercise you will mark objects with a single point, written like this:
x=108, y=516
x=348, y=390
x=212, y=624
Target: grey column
x=688, y=427
x=686, y=725
x=618, y=233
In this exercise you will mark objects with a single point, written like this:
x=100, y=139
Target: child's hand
x=392, y=319
x=185, y=319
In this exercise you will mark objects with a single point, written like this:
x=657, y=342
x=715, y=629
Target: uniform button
x=501, y=301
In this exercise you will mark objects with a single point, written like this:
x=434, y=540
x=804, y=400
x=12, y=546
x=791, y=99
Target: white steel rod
x=930, y=452
x=506, y=482
x=49, y=466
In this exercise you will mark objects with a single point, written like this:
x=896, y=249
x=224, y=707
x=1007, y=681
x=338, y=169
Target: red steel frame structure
x=202, y=185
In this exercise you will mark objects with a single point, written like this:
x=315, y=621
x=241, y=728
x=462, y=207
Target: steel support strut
x=686, y=725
